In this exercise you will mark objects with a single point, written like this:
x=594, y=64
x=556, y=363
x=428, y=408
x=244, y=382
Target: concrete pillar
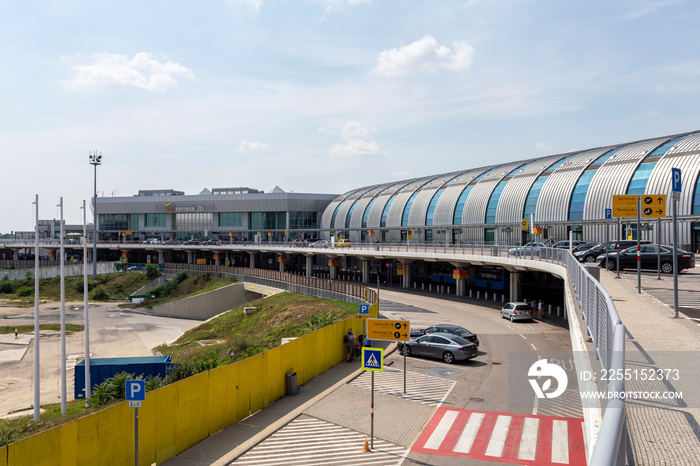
x=334, y=272
x=252, y=259
x=515, y=286
x=161, y=256
x=309, y=266
x=280, y=262
x=190, y=257
x=406, y=275
x=365, y=271
x=461, y=283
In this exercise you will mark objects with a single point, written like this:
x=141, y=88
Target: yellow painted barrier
x=177, y=416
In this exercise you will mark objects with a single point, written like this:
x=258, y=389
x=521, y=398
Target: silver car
x=517, y=311
x=449, y=348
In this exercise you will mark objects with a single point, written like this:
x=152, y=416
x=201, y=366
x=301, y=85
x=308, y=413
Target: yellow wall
x=175, y=417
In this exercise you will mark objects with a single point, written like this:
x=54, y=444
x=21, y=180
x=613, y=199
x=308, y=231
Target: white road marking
x=560, y=442
x=498, y=437
x=441, y=430
x=466, y=440
x=528, y=440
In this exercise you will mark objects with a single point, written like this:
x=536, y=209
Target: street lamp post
x=95, y=160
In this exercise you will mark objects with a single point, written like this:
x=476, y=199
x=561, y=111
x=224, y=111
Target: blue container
x=102, y=369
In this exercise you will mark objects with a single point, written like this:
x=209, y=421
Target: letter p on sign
x=135, y=390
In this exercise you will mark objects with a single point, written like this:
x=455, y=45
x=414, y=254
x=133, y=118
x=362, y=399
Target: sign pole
x=617, y=248
x=136, y=435
x=675, y=259
x=371, y=434
x=658, y=249
x=639, y=247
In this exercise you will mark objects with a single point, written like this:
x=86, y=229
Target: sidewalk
x=661, y=431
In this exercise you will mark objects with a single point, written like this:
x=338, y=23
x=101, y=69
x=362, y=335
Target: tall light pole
x=95, y=160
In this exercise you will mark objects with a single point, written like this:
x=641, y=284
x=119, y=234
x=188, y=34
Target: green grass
x=70, y=328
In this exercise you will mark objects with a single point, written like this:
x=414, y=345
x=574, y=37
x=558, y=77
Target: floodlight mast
x=95, y=160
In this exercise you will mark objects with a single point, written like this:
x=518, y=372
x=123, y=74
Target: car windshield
x=523, y=307
x=459, y=331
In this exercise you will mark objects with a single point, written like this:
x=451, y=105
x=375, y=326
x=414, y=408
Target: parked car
x=136, y=268
x=517, y=311
x=450, y=329
x=565, y=244
x=211, y=242
x=584, y=246
x=649, y=258
x=190, y=242
x=449, y=348
x=152, y=241
x=322, y=243
x=172, y=242
x=342, y=243
x=591, y=255
x=530, y=249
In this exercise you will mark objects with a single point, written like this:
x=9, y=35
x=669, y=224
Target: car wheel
x=589, y=259
x=667, y=267
x=448, y=357
x=610, y=265
x=406, y=350
x=511, y=318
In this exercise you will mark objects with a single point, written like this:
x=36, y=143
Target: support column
x=309, y=266
x=190, y=257
x=252, y=259
x=365, y=271
x=460, y=275
x=515, y=286
x=217, y=258
x=161, y=256
x=406, y=267
x=281, y=259
x=333, y=265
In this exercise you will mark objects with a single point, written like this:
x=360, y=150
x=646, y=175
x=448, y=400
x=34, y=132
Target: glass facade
x=696, y=198
x=155, y=220
x=638, y=184
x=407, y=209
x=119, y=222
x=349, y=215
x=578, y=198
x=459, y=208
x=194, y=221
x=431, y=207
x=230, y=219
x=366, y=213
x=303, y=220
x=267, y=220
x=335, y=214
x=493, y=202
x=533, y=195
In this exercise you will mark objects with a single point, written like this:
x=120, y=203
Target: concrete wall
x=175, y=417
x=70, y=270
x=209, y=304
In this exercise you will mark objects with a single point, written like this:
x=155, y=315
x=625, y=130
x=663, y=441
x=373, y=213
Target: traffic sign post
x=676, y=187
x=372, y=360
x=135, y=394
x=389, y=330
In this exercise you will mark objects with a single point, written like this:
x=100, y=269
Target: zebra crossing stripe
x=504, y=437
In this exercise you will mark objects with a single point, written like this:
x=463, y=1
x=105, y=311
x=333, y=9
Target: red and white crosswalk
x=504, y=437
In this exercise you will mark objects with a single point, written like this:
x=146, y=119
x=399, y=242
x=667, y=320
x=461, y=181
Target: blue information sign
x=676, y=179
x=135, y=390
x=364, y=308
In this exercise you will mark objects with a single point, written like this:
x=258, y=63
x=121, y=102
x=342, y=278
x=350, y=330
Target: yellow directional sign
x=392, y=330
x=654, y=205
x=624, y=206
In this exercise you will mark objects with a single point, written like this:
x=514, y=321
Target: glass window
x=155, y=220
x=303, y=220
x=431, y=207
x=638, y=184
x=335, y=212
x=533, y=195
x=195, y=222
x=493, y=202
x=578, y=198
x=604, y=157
x=385, y=212
x=366, y=213
x=118, y=222
x=407, y=210
x=230, y=219
x=349, y=215
x=459, y=208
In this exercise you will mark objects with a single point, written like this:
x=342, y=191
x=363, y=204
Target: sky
x=323, y=96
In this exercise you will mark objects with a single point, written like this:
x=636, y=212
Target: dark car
x=211, y=242
x=565, y=244
x=448, y=347
x=591, y=255
x=190, y=242
x=649, y=258
x=451, y=329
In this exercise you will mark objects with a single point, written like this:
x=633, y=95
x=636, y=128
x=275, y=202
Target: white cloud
x=356, y=148
x=355, y=134
x=425, y=55
x=252, y=146
x=142, y=72
x=650, y=8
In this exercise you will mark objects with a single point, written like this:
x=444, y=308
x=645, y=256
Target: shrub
x=152, y=271
x=25, y=291
x=100, y=294
x=180, y=277
x=6, y=286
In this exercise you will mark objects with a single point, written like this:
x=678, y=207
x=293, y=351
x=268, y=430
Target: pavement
x=661, y=432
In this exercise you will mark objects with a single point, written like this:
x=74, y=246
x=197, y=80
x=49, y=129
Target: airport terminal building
x=226, y=214
x=533, y=200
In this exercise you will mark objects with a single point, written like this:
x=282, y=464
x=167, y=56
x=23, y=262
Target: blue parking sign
x=364, y=308
x=135, y=390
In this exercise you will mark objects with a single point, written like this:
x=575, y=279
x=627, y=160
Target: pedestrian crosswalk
x=420, y=388
x=504, y=438
x=310, y=441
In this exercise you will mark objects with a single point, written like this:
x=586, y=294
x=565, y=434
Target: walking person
x=349, y=340
x=540, y=309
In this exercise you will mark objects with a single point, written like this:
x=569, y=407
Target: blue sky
x=323, y=96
